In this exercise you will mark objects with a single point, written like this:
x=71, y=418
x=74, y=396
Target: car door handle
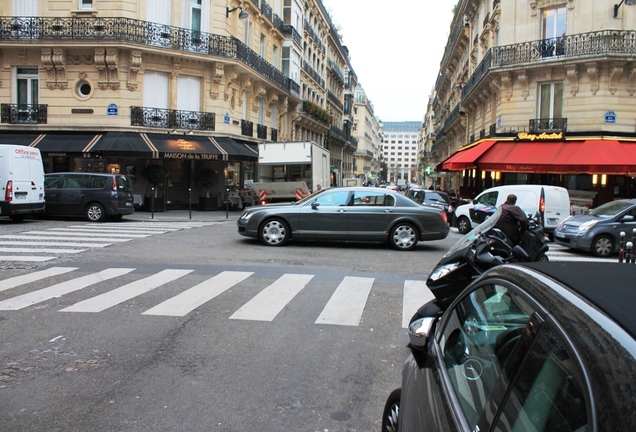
x=388, y=211
x=342, y=211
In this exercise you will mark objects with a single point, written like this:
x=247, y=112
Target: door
x=370, y=215
x=158, y=17
x=52, y=194
x=72, y=194
x=325, y=217
x=27, y=94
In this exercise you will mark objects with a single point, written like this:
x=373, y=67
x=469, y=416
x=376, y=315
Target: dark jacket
x=513, y=222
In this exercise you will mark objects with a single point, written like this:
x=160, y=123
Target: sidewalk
x=185, y=216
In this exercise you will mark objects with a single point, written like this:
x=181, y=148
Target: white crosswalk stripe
x=347, y=303
x=344, y=308
x=42, y=246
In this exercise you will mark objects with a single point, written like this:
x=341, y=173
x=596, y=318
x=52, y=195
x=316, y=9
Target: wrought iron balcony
x=247, y=128
x=23, y=113
x=548, y=125
x=127, y=30
x=261, y=131
x=290, y=31
x=266, y=9
x=274, y=134
x=312, y=73
x=334, y=100
x=172, y=119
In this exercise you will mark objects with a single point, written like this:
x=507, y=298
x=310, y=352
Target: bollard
x=190, y=203
x=152, y=203
x=629, y=252
x=634, y=243
x=227, y=204
x=621, y=248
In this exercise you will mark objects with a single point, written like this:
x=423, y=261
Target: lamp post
x=627, y=3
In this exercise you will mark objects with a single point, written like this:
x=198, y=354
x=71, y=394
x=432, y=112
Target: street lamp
x=242, y=14
x=627, y=3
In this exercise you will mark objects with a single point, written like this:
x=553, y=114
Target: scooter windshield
x=469, y=238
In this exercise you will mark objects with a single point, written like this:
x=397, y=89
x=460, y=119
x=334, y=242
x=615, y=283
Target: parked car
x=95, y=196
x=552, y=202
x=430, y=197
x=544, y=346
x=599, y=230
x=346, y=213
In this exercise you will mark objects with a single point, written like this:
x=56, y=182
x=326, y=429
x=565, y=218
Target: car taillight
x=8, y=194
x=542, y=205
x=443, y=213
x=114, y=188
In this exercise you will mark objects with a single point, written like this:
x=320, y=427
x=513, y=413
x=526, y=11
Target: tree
x=208, y=178
x=156, y=175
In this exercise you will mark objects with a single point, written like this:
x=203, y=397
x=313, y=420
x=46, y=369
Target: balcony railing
x=247, y=128
x=261, y=131
x=266, y=9
x=289, y=30
x=127, y=30
x=23, y=113
x=334, y=100
x=548, y=125
x=172, y=119
x=312, y=73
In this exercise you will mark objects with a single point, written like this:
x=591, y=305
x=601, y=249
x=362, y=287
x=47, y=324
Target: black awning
x=192, y=147
x=19, y=138
x=122, y=144
x=234, y=150
x=64, y=144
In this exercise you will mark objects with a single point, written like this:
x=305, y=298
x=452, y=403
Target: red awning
x=465, y=158
x=562, y=157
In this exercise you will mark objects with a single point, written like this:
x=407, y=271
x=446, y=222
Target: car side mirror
x=627, y=218
x=315, y=205
x=419, y=331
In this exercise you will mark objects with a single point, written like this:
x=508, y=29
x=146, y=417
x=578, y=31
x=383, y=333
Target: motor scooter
x=484, y=247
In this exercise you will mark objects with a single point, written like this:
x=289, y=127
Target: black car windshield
x=610, y=209
x=476, y=232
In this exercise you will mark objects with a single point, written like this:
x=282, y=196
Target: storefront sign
x=190, y=156
x=82, y=110
x=543, y=136
x=185, y=145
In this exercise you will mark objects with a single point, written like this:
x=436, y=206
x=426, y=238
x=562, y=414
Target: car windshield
x=476, y=232
x=610, y=209
x=309, y=197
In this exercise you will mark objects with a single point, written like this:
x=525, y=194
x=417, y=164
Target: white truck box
x=21, y=181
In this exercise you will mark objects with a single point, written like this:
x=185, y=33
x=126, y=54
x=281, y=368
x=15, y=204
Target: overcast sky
x=395, y=48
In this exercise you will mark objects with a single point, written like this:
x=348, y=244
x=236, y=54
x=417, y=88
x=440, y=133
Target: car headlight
x=442, y=271
x=586, y=225
x=246, y=216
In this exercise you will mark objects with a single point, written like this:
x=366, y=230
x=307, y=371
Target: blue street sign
x=610, y=117
x=112, y=109
x=226, y=118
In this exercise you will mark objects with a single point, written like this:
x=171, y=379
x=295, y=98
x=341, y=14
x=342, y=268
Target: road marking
x=60, y=289
x=31, y=250
x=52, y=243
x=33, y=277
x=347, y=303
x=25, y=258
x=187, y=301
x=25, y=237
x=416, y=294
x=269, y=302
x=126, y=292
x=73, y=234
x=117, y=231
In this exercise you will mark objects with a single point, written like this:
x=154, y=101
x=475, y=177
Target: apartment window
x=195, y=16
x=552, y=31
x=86, y=4
x=247, y=32
x=263, y=45
x=275, y=57
x=261, y=111
x=551, y=100
x=27, y=86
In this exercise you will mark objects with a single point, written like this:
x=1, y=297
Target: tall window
x=261, y=111
x=195, y=16
x=551, y=101
x=275, y=57
x=263, y=45
x=27, y=86
x=86, y=4
x=247, y=32
x=553, y=23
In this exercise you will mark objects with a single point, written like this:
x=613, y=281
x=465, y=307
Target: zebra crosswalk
x=47, y=245
x=345, y=307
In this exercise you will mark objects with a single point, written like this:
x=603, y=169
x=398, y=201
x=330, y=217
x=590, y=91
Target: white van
x=553, y=202
x=21, y=181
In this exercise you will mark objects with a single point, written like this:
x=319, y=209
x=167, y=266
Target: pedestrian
x=513, y=221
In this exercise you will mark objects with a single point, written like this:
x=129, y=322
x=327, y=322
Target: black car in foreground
x=346, y=214
x=546, y=346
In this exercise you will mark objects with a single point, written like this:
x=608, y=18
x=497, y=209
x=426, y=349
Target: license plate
x=559, y=235
x=553, y=221
x=129, y=204
x=20, y=196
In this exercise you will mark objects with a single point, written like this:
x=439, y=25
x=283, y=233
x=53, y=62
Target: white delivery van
x=553, y=202
x=21, y=181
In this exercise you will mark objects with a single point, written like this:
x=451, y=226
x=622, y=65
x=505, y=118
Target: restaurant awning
x=562, y=157
x=137, y=145
x=465, y=158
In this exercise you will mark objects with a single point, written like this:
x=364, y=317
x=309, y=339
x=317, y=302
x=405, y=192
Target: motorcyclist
x=513, y=222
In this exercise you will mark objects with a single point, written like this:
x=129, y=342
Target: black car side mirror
x=315, y=205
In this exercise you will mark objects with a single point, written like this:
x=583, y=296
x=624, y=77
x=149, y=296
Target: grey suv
x=431, y=198
x=92, y=195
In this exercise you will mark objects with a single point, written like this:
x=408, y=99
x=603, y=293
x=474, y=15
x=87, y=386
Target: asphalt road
x=223, y=364
x=177, y=324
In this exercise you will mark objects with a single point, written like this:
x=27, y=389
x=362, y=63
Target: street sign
x=112, y=110
x=610, y=117
x=226, y=118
